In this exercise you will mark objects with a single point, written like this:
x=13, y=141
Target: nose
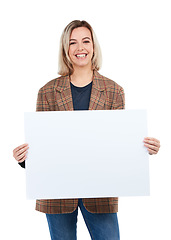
x=80, y=47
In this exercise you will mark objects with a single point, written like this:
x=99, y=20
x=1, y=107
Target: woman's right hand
x=20, y=153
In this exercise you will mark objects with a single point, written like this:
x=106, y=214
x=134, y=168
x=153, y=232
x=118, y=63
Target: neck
x=81, y=77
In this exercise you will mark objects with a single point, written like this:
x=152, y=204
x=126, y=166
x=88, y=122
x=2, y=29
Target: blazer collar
x=98, y=82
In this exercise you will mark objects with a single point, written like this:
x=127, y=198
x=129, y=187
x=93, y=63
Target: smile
x=81, y=55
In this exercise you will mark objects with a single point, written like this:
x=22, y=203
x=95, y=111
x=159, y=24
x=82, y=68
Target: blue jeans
x=101, y=226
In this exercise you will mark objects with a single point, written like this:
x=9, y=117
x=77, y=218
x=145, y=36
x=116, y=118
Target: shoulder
x=108, y=83
x=53, y=84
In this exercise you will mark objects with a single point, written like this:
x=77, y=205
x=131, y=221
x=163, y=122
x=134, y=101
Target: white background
x=135, y=39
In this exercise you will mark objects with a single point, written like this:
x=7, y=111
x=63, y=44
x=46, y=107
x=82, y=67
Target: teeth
x=81, y=55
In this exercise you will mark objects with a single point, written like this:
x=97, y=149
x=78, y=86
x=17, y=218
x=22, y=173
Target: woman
x=80, y=87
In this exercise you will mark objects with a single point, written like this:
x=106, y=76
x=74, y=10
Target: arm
x=42, y=102
x=119, y=99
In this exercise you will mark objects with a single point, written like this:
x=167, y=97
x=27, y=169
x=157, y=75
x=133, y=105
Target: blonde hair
x=64, y=64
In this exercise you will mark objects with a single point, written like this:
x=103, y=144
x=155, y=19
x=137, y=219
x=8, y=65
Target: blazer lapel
x=63, y=94
x=97, y=98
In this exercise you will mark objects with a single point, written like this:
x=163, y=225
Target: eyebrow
x=82, y=39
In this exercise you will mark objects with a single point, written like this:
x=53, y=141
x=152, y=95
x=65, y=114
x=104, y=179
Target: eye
x=86, y=41
x=71, y=43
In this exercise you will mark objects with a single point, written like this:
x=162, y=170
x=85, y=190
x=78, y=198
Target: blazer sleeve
x=42, y=101
x=22, y=164
x=119, y=99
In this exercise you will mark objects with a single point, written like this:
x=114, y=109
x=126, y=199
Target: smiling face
x=81, y=47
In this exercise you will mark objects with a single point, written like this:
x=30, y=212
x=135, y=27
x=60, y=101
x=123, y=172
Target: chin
x=85, y=64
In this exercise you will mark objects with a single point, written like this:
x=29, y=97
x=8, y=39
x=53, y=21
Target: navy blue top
x=81, y=96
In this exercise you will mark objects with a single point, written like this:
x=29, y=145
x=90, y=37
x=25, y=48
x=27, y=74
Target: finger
x=151, y=151
x=152, y=139
x=20, y=157
x=153, y=143
x=22, y=160
x=21, y=151
x=151, y=148
x=19, y=147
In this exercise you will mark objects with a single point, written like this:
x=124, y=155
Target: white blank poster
x=84, y=154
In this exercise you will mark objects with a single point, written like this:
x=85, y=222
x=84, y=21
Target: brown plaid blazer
x=56, y=96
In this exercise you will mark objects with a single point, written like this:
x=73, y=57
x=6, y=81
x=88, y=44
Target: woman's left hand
x=152, y=145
